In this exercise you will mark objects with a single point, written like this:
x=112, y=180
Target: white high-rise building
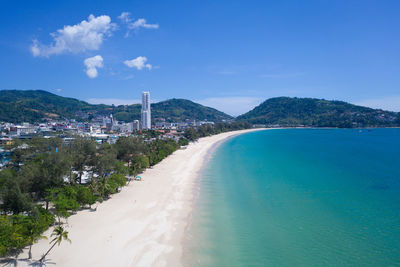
x=136, y=125
x=146, y=114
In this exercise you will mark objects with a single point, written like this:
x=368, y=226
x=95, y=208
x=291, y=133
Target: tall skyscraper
x=146, y=114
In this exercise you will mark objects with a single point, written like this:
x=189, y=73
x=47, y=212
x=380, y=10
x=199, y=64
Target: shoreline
x=144, y=224
x=196, y=188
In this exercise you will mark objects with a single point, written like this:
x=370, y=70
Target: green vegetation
x=172, y=110
x=35, y=105
x=207, y=130
x=181, y=109
x=19, y=230
x=286, y=111
x=44, y=181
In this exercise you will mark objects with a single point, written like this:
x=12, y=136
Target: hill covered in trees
x=172, y=110
x=287, y=111
x=36, y=105
x=33, y=105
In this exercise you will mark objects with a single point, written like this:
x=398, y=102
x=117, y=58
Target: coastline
x=144, y=224
x=195, y=191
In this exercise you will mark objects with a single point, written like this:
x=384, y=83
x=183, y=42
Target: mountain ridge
x=36, y=105
x=314, y=112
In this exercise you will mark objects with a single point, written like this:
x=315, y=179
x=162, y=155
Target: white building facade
x=136, y=125
x=146, y=113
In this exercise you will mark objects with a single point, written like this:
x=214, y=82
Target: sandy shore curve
x=144, y=224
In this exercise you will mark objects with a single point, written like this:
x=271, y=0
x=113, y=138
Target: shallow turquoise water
x=326, y=197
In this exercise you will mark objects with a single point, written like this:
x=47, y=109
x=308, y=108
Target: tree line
x=48, y=179
x=211, y=129
x=44, y=182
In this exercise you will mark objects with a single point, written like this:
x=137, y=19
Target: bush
x=14, y=200
x=121, y=168
x=139, y=163
x=183, y=142
x=118, y=179
x=64, y=200
x=10, y=237
x=18, y=231
x=84, y=196
x=110, y=187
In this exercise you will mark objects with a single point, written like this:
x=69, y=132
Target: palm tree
x=34, y=234
x=60, y=235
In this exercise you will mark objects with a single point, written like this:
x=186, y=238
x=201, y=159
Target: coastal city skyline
x=334, y=56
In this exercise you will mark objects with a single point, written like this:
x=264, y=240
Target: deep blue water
x=300, y=197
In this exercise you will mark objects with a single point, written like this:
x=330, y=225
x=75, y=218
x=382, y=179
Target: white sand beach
x=144, y=224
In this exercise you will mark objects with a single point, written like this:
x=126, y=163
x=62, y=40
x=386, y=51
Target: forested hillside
x=287, y=111
x=36, y=105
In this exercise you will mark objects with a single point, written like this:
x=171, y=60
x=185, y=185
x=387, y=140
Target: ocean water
x=299, y=197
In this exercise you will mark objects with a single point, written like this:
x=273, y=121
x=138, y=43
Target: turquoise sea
x=299, y=197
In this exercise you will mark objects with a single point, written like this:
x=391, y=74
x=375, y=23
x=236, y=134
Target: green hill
x=287, y=111
x=172, y=110
x=36, y=105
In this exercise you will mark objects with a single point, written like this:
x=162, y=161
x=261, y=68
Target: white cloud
x=58, y=90
x=125, y=17
x=391, y=103
x=234, y=106
x=115, y=101
x=142, y=23
x=86, y=35
x=35, y=48
x=138, y=63
x=92, y=63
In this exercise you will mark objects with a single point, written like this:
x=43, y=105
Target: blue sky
x=230, y=55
